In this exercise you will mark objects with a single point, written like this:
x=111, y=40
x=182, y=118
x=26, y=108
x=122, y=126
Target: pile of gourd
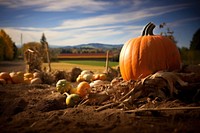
x=74, y=94
x=89, y=76
x=20, y=77
x=85, y=81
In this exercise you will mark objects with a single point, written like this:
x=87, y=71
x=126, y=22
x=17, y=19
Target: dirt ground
x=8, y=66
x=39, y=108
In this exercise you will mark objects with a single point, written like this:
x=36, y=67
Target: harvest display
x=149, y=81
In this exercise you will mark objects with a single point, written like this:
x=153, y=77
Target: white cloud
x=120, y=17
x=104, y=34
x=55, y=5
x=79, y=5
x=181, y=22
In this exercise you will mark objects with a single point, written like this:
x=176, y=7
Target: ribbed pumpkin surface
x=148, y=54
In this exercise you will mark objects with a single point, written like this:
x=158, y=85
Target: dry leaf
x=171, y=79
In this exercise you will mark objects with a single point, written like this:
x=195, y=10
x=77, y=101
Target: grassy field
x=90, y=62
x=95, y=66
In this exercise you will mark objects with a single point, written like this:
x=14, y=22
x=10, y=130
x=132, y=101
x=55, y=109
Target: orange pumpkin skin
x=83, y=88
x=6, y=77
x=148, y=54
x=17, y=77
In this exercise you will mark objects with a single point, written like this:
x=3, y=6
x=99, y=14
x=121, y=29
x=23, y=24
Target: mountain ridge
x=91, y=45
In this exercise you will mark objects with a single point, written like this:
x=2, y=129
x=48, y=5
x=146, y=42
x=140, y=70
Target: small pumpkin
x=102, y=76
x=99, y=76
x=88, y=77
x=86, y=72
x=28, y=75
x=85, y=75
x=79, y=78
x=83, y=88
x=72, y=100
x=63, y=86
x=2, y=82
x=17, y=77
x=96, y=83
x=148, y=54
x=5, y=76
x=36, y=81
x=27, y=80
x=95, y=77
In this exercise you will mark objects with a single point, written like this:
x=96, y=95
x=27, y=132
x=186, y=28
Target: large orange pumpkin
x=148, y=54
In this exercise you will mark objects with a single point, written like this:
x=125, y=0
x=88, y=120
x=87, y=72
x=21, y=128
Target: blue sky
x=73, y=22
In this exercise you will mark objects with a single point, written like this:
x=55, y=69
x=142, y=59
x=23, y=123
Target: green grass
x=90, y=62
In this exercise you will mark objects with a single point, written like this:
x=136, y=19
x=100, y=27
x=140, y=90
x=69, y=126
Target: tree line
x=189, y=55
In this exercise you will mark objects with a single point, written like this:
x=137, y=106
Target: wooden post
x=107, y=61
x=48, y=58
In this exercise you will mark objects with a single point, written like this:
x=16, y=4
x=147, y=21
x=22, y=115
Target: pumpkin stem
x=148, y=29
x=144, y=30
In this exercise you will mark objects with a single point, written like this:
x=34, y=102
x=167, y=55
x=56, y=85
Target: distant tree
x=184, y=52
x=8, y=47
x=43, y=38
x=2, y=49
x=45, y=47
x=191, y=55
x=15, y=49
x=194, y=52
x=195, y=43
x=54, y=53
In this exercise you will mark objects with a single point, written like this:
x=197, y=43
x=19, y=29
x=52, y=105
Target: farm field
x=90, y=62
x=96, y=66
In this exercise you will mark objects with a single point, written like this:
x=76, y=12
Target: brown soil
x=39, y=108
x=9, y=66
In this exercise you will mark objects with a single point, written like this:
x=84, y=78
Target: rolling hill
x=92, y=45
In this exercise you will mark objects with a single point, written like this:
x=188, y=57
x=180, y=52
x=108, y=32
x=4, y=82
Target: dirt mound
x=29, y=108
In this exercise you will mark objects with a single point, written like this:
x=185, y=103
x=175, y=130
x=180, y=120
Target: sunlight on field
x=90, y=62
x=68, y=67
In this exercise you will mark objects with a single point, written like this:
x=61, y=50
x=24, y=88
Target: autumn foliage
x=8, y=49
